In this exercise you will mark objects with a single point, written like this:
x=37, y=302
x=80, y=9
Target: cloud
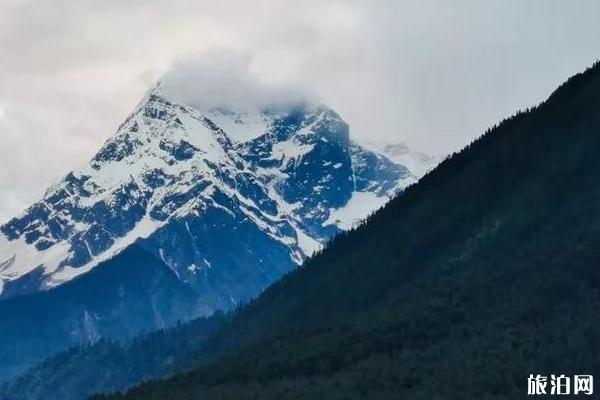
x=430, y=72
x=223, y=78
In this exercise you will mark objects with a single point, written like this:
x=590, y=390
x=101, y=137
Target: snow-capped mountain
x=280, y=180
x=416, y=162
x=183, y=211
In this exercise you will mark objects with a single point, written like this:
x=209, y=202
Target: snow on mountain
x=418, y=163
x=219, y=195
x=359, y=207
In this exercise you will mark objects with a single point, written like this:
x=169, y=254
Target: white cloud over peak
x=430, y=72
x=224, y=78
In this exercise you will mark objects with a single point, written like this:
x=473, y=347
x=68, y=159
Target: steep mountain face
x=222, y=201
x=484, y=272
x=172, y=174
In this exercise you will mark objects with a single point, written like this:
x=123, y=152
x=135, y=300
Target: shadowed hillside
x=484, y=272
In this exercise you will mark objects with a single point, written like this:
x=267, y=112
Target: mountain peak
x=168, y=160
x=226, y=199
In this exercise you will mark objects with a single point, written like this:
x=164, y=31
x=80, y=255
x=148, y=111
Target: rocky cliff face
x=207, y=205
x=223, y=202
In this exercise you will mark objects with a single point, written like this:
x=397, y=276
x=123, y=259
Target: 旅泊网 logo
x=559, y=385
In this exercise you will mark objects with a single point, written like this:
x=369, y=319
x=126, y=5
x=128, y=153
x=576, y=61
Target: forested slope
x=484, y=272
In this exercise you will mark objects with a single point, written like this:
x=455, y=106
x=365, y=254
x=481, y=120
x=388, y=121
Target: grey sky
x=433, y=73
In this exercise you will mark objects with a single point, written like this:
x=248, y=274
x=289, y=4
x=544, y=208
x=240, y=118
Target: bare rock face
x=182, y=212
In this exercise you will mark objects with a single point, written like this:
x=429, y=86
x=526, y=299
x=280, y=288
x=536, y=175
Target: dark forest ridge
x=482, y=273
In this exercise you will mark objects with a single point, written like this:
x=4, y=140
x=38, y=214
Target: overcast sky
x=435, y=74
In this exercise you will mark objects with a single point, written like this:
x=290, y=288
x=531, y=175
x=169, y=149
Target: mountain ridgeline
x=484, y=272
x=181, y=213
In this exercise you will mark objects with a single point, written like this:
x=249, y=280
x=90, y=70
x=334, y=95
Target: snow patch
x=241, y=126
x=359, y=207
x=307, y=244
